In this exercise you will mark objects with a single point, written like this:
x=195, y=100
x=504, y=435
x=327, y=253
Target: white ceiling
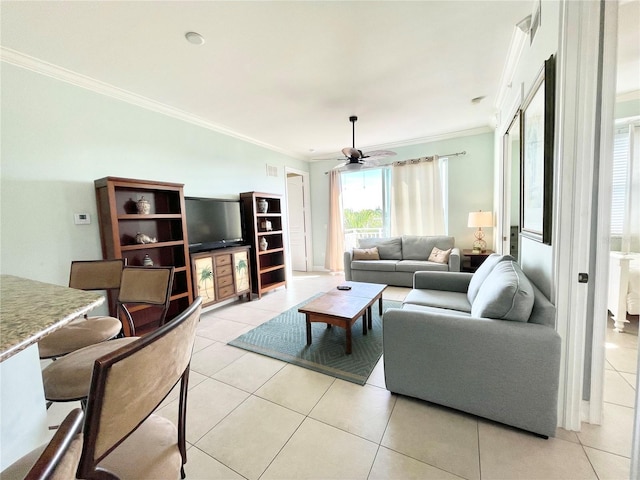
x=287, y=75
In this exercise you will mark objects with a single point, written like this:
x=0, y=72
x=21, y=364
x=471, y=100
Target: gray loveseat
x=483, y=343
x=400, y=258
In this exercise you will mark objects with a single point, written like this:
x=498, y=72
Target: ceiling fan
x=355, y=158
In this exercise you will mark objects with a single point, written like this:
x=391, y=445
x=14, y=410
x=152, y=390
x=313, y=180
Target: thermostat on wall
x=81, y=218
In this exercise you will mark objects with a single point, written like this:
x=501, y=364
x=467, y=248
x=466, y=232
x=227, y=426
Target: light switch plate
x=81, y=218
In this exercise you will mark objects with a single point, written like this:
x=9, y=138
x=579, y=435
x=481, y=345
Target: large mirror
x=512, y=187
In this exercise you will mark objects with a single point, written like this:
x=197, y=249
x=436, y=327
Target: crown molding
x=516, y=46
x=27, y=62
x=625, y=97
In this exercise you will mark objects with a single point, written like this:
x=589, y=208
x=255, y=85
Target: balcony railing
x=352, y=235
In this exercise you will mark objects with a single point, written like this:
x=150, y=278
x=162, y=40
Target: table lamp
x=480, y=219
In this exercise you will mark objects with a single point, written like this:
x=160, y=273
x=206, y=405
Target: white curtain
x=416, y=198
x=334, y=257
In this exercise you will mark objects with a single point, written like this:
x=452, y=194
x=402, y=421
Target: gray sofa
x=400, y=258
x=483, y=343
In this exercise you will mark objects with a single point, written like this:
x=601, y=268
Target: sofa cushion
x=434, y=310
x=417, y=247
x=375, y=265
x=506, y=294
x=438, y=298
x=388, y=248
x=366, y=253
x=483, y=272
x=439, y=256
x=418, y=266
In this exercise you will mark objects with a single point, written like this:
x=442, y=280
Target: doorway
x=297, y=193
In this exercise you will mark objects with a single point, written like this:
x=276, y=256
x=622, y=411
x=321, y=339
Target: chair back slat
x=96, y=274
x=128, y=385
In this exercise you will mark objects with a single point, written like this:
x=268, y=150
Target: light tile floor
x=253, y=417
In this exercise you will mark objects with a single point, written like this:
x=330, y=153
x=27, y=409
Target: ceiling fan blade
x=379, y=154
x=351, y=153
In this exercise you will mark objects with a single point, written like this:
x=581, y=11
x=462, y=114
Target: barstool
x=68, y=378
x=86, y=275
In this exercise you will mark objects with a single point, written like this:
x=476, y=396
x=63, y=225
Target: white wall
x=470, y=187
x=58, y=138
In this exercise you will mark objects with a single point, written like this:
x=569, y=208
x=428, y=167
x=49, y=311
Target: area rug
x=285, y=337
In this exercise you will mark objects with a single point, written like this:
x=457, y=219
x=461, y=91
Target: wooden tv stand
x=222, y=274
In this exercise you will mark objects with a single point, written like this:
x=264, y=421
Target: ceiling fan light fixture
x=353, y=166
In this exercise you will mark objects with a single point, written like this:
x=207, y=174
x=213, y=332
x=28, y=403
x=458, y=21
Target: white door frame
x=603, y=233
x=307, y=217
x=584, y=118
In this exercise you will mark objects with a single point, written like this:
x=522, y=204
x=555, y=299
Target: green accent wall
x=626, y=109
x=58, y=138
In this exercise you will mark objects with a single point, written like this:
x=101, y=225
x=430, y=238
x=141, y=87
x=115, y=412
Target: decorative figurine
x=263, y=244
x=142, y=238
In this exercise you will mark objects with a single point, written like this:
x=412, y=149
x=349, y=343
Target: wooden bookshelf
x=120, y=222
x=268, y=268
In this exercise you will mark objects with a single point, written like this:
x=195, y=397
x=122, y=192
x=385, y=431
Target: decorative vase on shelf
x=143, y=206
x=263, y=244
x=263, y=206
x=146, y=261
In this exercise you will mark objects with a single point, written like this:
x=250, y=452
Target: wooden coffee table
x=343, y=307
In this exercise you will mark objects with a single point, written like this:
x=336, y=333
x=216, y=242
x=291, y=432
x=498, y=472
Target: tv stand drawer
x=224, y=259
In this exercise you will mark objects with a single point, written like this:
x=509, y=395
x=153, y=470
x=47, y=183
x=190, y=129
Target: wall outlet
x=81, y=218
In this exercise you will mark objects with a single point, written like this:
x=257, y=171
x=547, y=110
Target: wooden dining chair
x=122, y=436
x=86, y=275
x=57, y=460
x=68, y=378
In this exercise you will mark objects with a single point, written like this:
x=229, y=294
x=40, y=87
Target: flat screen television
x=213, y=223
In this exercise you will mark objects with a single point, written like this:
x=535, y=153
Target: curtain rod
x=427, y=159
x=422, y=159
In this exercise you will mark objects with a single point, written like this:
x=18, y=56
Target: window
x=619, y=186
x=365, y=204
x=626, y=145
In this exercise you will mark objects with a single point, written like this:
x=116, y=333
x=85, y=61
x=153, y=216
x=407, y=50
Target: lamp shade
x=480, y=219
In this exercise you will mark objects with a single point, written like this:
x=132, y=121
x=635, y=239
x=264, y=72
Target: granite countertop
x=30, y=310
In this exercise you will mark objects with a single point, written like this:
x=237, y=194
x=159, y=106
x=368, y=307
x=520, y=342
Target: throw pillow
x=366, y=254
x=483, y=272
x=439, y=256
x=506, y=294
